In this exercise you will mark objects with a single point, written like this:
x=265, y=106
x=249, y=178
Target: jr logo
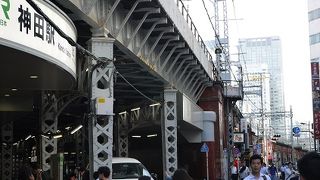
x=6, y=7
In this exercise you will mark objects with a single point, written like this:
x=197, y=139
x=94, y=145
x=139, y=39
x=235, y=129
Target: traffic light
x=277, y=135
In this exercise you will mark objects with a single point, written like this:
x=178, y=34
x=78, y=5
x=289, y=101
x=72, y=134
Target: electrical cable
x=79, y=47
x=64, y=35
x=240, y=47
x=135, y=87
x=218, y=39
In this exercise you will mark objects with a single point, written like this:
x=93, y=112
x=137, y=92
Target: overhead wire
x=62, y=34
x=240, y=47
x=135, y=87
x=219, y=42
x=220, y=45
x=241, y=51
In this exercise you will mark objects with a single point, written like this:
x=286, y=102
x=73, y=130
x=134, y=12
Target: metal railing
x=182, y=8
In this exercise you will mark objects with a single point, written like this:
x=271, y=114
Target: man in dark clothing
x=273, y=172
x=308, y=166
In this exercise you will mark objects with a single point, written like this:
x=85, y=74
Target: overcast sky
x=287, y=19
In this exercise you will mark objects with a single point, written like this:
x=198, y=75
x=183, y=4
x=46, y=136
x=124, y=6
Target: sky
x=287, y=19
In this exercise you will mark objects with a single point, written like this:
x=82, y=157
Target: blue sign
x=236, y=152
x=204, y=148
x=296, y=130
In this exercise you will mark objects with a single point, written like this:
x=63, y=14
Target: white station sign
x=21, y=27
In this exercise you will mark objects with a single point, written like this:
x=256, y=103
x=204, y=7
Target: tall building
x=264, y=54
x=314, y=38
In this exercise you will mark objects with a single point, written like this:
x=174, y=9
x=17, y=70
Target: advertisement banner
x=316, y=104
x=315, y=70
x=316, y=124
x=243, y=124
x=315, y=84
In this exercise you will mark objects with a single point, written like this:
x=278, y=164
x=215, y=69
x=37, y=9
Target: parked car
x=128, y=169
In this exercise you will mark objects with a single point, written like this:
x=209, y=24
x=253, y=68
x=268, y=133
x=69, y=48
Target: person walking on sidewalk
x=244, y=170
x=255, y=164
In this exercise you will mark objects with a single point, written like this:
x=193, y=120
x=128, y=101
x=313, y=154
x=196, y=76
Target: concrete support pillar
x=169, y=132
x=101, y=120
x=6, y=151
x=212, y=100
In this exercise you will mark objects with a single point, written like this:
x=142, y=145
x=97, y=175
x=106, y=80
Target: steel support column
x=134, y=117
x=49, y=125
x=123, y=134
x=101, y=120
x=169, y=132
x=81, y=137
x=6, y=151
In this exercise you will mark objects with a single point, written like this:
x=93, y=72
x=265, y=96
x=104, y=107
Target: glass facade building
x=263, y=55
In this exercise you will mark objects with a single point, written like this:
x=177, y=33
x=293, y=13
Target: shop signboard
x=22, y=28
x=238, y=137
x=316, y=124
x=315, y=70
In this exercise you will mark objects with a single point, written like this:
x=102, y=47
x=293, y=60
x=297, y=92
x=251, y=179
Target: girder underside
x=147, y=35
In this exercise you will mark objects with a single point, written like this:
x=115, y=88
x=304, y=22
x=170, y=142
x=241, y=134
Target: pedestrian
x=181, y=174
x=234, y=171
x=96, y=175
x=282, y=168
x=264, y=169
x=25, y=173
x=72, y=176
x=104, y=173
x=255, y=164
x=308, y=166
x=168, y=177
x=289, y=172
x=244, y=170
x=273, y=172
x=36, y=171
x=80, y=172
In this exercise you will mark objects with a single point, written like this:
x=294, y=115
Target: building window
x=315, y=14
x=314, y=38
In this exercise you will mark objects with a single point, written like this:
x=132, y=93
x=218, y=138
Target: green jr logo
x=6, y=7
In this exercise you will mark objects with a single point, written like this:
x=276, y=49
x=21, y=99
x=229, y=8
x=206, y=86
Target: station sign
x=22, y=28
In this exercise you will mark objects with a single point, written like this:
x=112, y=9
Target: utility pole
x=291, y=133
x=309, y=132
x=265, y=144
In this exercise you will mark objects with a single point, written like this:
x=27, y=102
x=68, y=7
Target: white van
x=128, y=169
